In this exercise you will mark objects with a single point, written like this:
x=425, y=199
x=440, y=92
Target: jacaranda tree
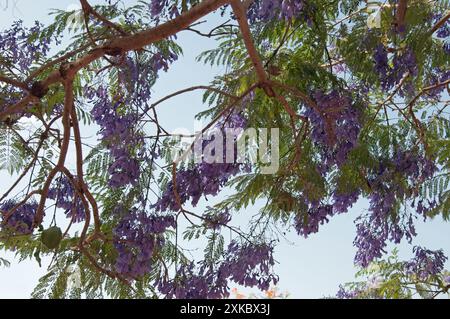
x=358, y=91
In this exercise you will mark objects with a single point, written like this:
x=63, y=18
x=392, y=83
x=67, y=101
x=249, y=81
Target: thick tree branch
x=239, y=12
x=13, y=82
x=402, y=6
x=68, y=105
x=121, y=44
x=80, y=176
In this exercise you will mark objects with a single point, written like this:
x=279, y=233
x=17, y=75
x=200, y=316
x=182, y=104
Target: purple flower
x=21, y=221
x=215, y=220
x=335, y=127
x=204, y=178
x=136, y=237
x=264, y=10
x=309, y=223
x=63, y=193
x=249, y=265
x=156, y=7
x=21, y=47
x=403, y=62
x=344, y=293
x=425, y=263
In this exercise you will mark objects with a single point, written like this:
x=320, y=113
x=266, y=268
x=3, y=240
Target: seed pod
x=51, y=237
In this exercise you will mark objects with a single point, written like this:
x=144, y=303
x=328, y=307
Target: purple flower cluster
x=189, y=283
x=382, y=67
x=343, y=201
x=335, y=130
x=370, y=241
x=264, y=10
x=214, y=220
x=160, y=61
x=403, y=62
x=319, y=214
x=118, y=134
x=156, y=7
x=348, y=294
x=426, y=263
x=309, y=223
x=136, y=237
x=413, y=166
x=135, y=81
x=382, y=223
x=21, y=221
x=423, y=208
x=249, y=265
x=335, y=127
x=21, y=47
x=118, y=113
x=204, y=178
x=63, y=193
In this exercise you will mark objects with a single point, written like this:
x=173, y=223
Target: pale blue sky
x=308, y=268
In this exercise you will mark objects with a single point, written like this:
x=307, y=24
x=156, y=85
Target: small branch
x=193, y=88
x=88, y=9
x=56, y=61
x=33, y=160
x=295, y=91
x=211, y=32
x=440, y=23
x=13, y=210
x=280, y=45
x=109, y=273
x=426, y=89
x=80, y=176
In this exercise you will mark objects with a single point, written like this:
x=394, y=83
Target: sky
x=308, y=268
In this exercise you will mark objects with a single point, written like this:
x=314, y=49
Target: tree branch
x=88, y=9
x=440, y=23
x=13, y=82
x=239, y=12
x=193, y=88
x=401, y=14
x=122, y=44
